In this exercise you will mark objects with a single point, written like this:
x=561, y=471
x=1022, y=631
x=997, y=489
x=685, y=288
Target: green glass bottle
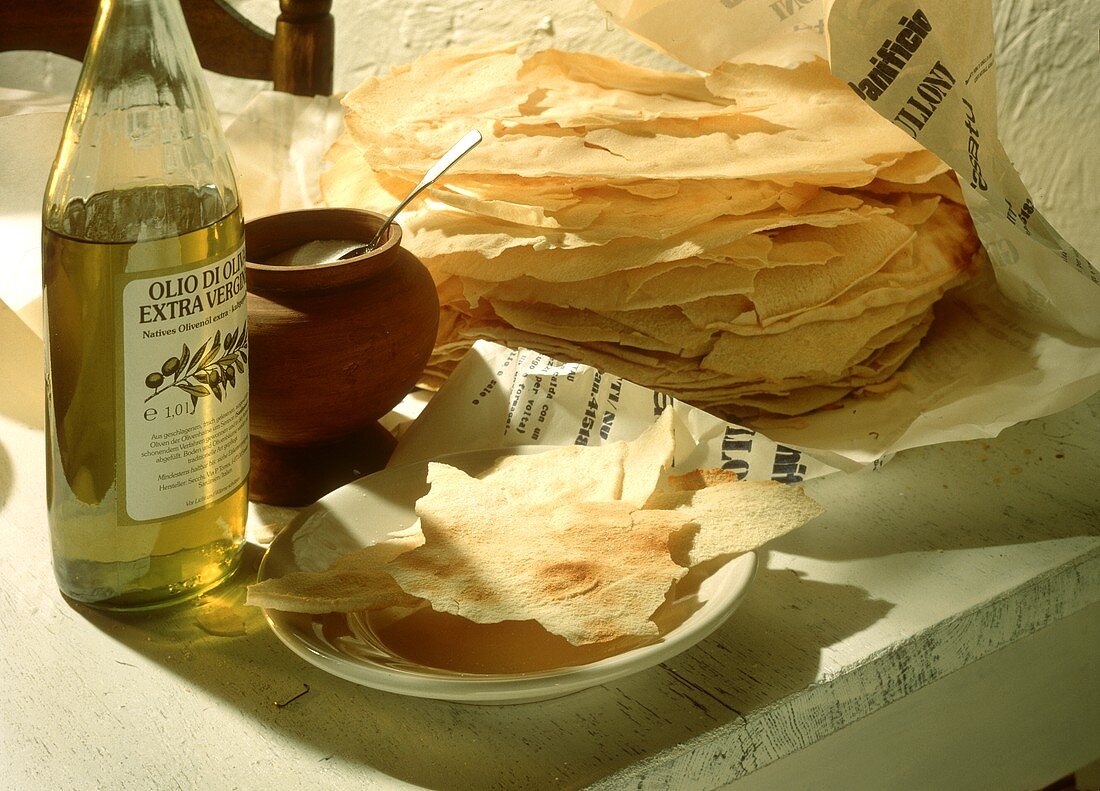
x=146, y=339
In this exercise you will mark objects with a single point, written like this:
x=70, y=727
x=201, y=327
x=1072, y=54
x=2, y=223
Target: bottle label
x=185, y=388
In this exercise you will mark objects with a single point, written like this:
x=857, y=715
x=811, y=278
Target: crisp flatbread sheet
x=588, y=571
x=735, y=517
x=356, y=581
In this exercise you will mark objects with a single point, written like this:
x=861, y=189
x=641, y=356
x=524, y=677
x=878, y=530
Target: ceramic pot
x=333, y=347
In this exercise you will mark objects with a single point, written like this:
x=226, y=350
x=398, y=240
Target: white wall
x=372, y=35
x=1048, y=86
x=1048, y=61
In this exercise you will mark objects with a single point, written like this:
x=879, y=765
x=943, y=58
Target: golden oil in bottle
x=146, y=337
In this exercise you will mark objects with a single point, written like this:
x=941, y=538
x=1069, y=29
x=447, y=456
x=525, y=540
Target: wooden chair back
x=297, y=59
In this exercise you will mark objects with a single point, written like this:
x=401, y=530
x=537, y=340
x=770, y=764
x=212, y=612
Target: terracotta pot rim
x=282, y=277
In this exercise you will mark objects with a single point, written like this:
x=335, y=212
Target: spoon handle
x=456, y=152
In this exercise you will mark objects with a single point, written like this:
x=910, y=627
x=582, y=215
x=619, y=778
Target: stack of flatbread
x=755, y=240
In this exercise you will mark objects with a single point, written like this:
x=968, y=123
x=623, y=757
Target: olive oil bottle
x=146, y=339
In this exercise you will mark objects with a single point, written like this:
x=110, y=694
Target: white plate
x=432, y=655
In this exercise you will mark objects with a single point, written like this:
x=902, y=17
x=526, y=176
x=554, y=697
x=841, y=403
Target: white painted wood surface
x=930, y=566
x=1035, y=697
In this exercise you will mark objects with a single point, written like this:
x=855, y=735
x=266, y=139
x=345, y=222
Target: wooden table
x=938, y=627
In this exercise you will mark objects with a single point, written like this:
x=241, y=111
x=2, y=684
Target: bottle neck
x=141, y=133
x=135, y=38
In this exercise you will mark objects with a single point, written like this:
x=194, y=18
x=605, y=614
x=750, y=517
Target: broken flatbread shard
x=647, y=460
x=701, y=478
x=587, y=571
x=733, y=516
x=573, y=473
x=356, y=581
x=628, y=471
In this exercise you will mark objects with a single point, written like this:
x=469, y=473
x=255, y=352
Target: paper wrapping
x=501, y=398
x=998, y=354
x=277, y=141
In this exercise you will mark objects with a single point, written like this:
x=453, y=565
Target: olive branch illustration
x=211, y=370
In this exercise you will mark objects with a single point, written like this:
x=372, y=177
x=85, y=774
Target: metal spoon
x=457, y=151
